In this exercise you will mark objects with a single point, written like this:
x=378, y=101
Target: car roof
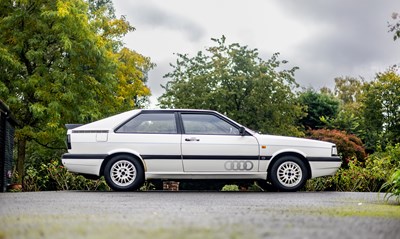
x=175, y=110
x=115, y=120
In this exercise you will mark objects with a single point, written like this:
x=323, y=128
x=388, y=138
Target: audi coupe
x=178, y=144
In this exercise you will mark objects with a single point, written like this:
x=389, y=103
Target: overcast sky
x=326, y=39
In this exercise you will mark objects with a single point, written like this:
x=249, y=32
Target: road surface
x=83, y=214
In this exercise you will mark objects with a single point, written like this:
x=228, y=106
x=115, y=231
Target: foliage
x=348, y=91
x=317, y=105
x=234, y=80
x=147, y=186
x=346, y=120
x=362, y=177
x=354, y=178
x=255, y=188
x=40, y=155
x=62, y=62
x=230, y=187
x=381, y=113
x=349, y=146
x=395, y=26
x=53, y=176
x=132, y=76
x=392, y=186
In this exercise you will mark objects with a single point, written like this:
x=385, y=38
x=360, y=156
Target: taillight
x=68, y=141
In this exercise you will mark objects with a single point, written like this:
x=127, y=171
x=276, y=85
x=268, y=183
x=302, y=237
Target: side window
x=150, y=124
x=207, y=124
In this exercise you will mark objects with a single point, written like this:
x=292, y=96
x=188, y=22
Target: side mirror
x=242, y=131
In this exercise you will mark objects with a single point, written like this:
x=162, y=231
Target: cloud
x=149, y=15
x=351, y=37
x=326, y=39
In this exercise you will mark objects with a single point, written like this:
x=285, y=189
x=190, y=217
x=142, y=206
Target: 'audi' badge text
x=238, y=165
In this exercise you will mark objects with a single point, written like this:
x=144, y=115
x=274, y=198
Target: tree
x=234, y=80
x=348, y=91
x=317, y=105
x=61, y=62
x=381, y=108
x=131, y=73
x=395, y=27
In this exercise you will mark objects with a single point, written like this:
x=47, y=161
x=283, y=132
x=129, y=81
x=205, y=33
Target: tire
x=288, y=174
x=124, y=173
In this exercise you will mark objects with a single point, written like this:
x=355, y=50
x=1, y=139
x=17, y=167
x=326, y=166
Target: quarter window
x=207, y=124
x=150, y=124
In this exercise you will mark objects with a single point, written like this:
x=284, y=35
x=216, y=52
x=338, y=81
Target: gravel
x=84, y=214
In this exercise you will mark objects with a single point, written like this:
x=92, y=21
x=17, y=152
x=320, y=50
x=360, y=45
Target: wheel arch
x=110, y=156
x=291, y=153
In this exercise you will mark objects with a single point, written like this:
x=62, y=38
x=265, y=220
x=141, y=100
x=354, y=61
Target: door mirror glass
x=242, y=131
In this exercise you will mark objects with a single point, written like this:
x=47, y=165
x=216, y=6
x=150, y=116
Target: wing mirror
x=242, y=131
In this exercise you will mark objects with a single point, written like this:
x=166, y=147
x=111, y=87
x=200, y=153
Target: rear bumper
x=83, y=163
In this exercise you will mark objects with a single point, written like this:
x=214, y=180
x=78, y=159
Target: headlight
x=334, y=151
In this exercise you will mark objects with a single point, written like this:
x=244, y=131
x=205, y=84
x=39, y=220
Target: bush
x=230, y=187
x=349, y=146
x=368, y=176
x=392, y=186
x=53, y=176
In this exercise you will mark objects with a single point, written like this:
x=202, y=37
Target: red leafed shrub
x=349, y=146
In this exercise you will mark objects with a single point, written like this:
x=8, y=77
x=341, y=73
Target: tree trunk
x=21, y=159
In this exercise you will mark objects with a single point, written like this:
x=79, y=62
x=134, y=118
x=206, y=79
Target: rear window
x=157, y=123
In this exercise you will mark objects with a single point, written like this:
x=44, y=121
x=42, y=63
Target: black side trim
x=220, y=157
x=189, y=157
x=84, y=156
x=89, y=131
x=161, y=157
x=265, y=157
x=204, y=157
x=325, y=159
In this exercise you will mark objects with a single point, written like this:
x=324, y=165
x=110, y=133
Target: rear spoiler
x=72, y=126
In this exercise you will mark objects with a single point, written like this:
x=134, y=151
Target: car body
x=174, y=144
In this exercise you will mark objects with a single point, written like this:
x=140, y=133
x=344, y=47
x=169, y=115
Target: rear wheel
x=124, y=173
x=289, y=174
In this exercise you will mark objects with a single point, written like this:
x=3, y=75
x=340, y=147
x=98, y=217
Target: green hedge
x=379, y=169
x=53, y=176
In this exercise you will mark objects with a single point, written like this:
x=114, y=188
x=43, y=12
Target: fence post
x=7, y=125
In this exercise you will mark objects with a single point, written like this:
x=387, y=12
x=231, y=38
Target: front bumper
x=323, y=166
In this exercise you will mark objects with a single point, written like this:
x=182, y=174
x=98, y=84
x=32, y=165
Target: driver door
x=211, y=143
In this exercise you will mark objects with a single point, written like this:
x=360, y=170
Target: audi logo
x=238, y=165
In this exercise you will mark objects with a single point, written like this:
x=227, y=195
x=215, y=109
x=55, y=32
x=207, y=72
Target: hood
x=291, y=141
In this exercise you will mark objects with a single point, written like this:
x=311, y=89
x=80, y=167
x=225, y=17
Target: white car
x=138, y=145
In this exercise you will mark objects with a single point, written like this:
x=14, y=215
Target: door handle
x=192, y=139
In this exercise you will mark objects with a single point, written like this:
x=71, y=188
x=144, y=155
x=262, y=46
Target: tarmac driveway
x=81, y=214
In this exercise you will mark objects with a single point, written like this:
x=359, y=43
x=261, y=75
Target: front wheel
x=124, y=173
x=289, y=174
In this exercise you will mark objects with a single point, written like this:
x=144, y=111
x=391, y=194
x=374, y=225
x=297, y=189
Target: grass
x=357, y=210
x=59, y=227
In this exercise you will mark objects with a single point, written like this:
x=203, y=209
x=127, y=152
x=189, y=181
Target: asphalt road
x=80, y=214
